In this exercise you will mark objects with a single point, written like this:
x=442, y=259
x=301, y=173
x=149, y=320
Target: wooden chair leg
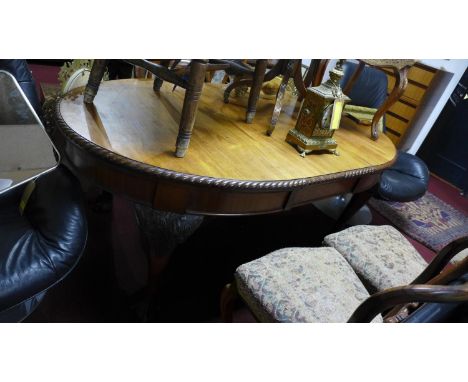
x=258, y=77
x=400, y=86
x=95, y=78
x=280, y=96
x=229, y=297
x=157, y=81
x=298, y=80
x=309, y=76
x=189, y=109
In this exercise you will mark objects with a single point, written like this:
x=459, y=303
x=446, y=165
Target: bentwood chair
x=363, y=272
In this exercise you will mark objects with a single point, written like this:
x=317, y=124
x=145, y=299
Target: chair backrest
x=370, y=88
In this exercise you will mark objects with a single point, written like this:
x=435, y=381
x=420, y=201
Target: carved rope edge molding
x=234, y=184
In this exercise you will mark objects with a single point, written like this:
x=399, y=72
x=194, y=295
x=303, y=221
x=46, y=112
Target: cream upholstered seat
x=301, y=285
x=380, y=255
x=327, y=284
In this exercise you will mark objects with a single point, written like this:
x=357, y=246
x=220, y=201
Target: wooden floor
x=129, y=118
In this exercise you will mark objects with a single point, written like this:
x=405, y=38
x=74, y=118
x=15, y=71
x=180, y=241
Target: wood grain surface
x=124, y=142
x=130, y=119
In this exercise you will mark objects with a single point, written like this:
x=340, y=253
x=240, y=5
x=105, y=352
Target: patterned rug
x=428, y=220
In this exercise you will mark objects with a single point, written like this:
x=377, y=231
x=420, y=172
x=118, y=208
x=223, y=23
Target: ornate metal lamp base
x=307, y=145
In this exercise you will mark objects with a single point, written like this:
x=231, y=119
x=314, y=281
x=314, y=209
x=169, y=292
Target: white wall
x=441, y=89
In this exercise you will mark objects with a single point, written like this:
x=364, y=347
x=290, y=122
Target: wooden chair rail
x=432, y=274
x=441, y=260
x=160, y=71
x=379, y=302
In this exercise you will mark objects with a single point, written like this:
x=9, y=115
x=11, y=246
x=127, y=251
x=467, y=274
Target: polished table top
x=131, y=128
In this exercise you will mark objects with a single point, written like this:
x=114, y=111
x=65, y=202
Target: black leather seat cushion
x=406, y=180
x=40, y=247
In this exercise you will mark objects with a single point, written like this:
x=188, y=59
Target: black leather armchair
x=408, y=178
x=40, y=247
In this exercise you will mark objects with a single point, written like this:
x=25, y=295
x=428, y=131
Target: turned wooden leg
x=229, y=297
x=400, y=86
x=189, y=110
x=280, y=96
x=157, y=81
x=258, y=77
x=95, y=78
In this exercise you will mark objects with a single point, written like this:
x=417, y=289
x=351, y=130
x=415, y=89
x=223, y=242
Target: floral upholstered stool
x=380, y=255
x=299, y=285
x=365, y=271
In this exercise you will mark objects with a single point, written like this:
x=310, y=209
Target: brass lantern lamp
x=320, y=115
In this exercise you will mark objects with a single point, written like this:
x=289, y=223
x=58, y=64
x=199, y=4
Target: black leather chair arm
x=40, y=247
x=406, y=180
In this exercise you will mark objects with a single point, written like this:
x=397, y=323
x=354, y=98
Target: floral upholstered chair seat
x=301, y=285
x=365, y=270
x=380, y=255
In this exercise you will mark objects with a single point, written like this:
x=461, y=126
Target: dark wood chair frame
x=260, y=74
x=401, y=76
x=431, y=286
x=190, y=78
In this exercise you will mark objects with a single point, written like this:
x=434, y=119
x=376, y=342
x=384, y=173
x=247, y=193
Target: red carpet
x=443, y=191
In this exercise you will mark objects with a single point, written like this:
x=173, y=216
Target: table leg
x=95, y=78
x=258, y=77
x=189, y=109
